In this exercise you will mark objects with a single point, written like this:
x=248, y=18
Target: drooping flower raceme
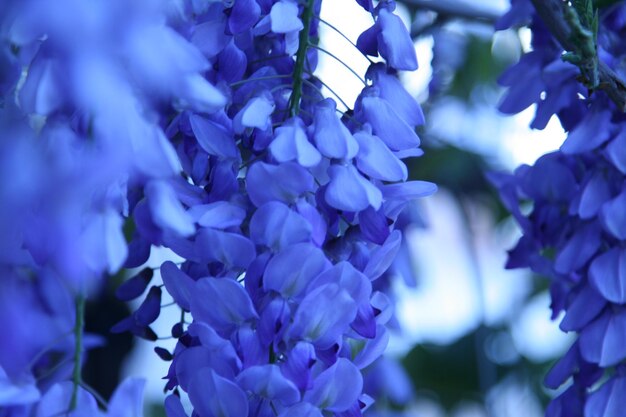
x=201, y=126
x=292, y=207
x=575, y=230
x=83, y=85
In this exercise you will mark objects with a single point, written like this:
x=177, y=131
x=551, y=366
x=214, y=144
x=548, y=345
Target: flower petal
x=301, y=410
x=347, y=277
x=166, y=210
x=350, y=191
x=214, y=139
x=607, y=274
x=386, y=123
x=392, y=90
x=332, y=137
x=232, y=61
x=297, y=366
x=214, y=396
x=578, y=249
x=323, y=316
x=210, y=37
x=616, y=151
x=595, y=193
x=292, y=269
x=613, y=216
x=243, y=16
x=276, y=226
x=284, y=182
x=585, y=306
x=173, y=407
x=382, y=257
x=219, y=215
x=395, y=43
x=376, y=160
x=255, y=114
x=178, y=284
x=135, y=286
x=603, y=340
x=221, y=302
x=590, y=133
x=291, y=143
x=231, y=249
x=127, y=400
x=23, y=392
x=267, y=381
x=337, y=388
x=222, y=350
x=607, y=400
x=374, y=225
x=284, y=17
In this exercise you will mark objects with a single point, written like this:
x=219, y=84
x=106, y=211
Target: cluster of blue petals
x=201, y=127
x=571, y=208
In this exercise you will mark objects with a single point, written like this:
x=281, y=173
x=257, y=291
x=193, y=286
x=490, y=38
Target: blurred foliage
x=450, y=372
x=461, y=172
x=605, y=3
x=461, y=372
x=102, y=370
x=467, y=61
x=479, y=67
x=155, y=410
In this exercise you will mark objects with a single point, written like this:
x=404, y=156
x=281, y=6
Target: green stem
x=552, y=12
x=298, y=71
x=78, y=348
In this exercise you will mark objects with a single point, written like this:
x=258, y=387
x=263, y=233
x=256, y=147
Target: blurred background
x=472, y=339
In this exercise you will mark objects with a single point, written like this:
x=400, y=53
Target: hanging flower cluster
x=201, y=127
x=575, y=229
x=83, y=86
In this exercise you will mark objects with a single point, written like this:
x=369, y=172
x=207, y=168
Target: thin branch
x=336, y=58
x=55, y=368
x=47, y=348
x=343, y=36
x=168, y=304
x=281, y=86
x=329, y=89
x=265, y=78
x=553, y=15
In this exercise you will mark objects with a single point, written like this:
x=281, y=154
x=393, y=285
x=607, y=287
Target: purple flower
x=389, y=37
x=202, y=129
x=332, y=137
x=576, y=194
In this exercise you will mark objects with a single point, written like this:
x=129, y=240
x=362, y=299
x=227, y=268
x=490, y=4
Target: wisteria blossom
x=201, y=127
